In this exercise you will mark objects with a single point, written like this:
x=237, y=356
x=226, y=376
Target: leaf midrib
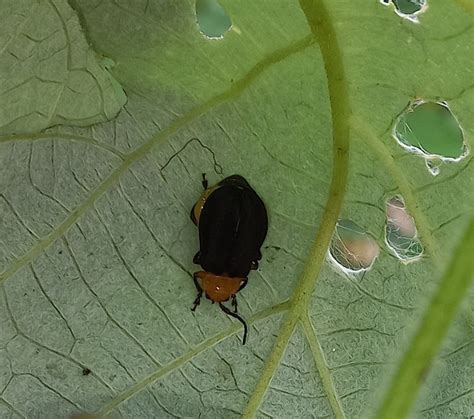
x=323, y=31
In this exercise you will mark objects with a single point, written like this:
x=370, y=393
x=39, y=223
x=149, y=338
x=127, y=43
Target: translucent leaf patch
x=352, y=249
x=400, y=231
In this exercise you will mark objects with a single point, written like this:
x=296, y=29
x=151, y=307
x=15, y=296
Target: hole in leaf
x=408, y=9
x=212, y=19
x=401, y=236
x=432, y=131
x=352, y=249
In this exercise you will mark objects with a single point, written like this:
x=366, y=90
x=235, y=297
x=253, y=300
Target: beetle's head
x=218, y=288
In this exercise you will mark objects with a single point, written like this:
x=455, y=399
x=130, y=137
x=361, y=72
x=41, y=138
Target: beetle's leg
x=234, y=303
x=205, y=183
x=197, y=258
x=192, y=216
x=197, y=301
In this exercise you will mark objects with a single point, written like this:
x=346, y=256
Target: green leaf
x=301, y=98
x=49, y=75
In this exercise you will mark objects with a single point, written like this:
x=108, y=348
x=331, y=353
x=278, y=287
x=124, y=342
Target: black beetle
x=233, y=223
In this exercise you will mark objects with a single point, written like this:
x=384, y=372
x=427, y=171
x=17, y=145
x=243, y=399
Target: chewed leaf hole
x=407, y=9
x=401, y=236
x=212, y=19
x=432, y=131
x=352, y=248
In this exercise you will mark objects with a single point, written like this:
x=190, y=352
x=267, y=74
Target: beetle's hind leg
x=197, y=301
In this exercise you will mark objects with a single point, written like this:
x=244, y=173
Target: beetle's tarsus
x=197, y=301
x=205, y=183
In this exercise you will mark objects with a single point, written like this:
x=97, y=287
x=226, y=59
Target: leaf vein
x=187, y=357
x=235, y=91
x=322, y=367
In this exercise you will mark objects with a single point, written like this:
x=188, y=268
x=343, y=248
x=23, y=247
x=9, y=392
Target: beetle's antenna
x=240, y=319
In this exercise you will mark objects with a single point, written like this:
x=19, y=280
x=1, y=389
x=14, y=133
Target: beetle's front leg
x=234, y=296
x=197, y=301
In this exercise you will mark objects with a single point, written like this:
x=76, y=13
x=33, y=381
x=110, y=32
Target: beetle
x=233, y=223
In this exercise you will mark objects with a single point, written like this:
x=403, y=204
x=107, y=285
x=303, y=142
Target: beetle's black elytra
x=232, y=221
